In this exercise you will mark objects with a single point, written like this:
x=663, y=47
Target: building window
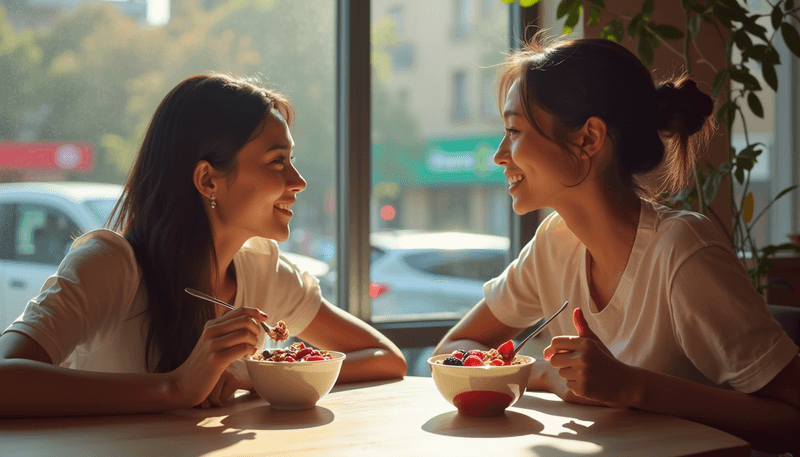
x=460, y=106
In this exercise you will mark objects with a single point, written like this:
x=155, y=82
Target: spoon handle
x=198, y=294
x=538, y=330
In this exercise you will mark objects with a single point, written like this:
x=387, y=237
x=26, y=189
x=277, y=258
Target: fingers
x=582, y=326
x=562, y=344
x=215, y=397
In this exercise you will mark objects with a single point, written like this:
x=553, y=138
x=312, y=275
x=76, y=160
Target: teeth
x=515, y=179
x=283, y=206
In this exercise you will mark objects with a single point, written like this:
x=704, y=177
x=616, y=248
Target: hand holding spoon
x=272, y=333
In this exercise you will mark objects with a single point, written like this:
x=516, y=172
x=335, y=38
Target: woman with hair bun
x=663, y=316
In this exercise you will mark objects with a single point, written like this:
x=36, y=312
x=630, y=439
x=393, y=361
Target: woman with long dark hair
x=206, y=201
x=662, y=314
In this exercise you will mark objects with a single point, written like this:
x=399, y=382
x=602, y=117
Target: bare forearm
x=769, y=425
x=29, y=388
x=371, y=365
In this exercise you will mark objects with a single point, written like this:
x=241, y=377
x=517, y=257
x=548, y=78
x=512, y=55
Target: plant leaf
x=776, y=16
x=770, y=77
x=527, y=3
x=594, y=16
x=755, y=104
x=635, y=25
x=784, y=192
x=739, y=175
x=791, y=37
x=719, y=80
x=647, y=8
x=788, y=5
x=742, y=75
x=645, y=51
x=668, y=32
x=747, y=208
x=711, y=185
x=573, y=17
x=563, y=8
x=614, y=31
x=694, y=27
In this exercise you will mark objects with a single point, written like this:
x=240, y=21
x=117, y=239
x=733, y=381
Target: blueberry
x=452, y=361
x=265, y=354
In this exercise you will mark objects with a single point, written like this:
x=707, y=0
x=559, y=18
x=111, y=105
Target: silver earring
x=213, y=201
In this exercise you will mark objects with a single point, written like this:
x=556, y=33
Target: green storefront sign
x=445, y=162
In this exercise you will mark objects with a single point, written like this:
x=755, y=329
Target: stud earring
x=213, y=201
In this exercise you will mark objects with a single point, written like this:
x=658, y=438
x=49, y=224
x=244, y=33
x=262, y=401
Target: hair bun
x=682, y=107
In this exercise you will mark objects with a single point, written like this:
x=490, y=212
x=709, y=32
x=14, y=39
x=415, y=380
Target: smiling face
x=539, y=171
x=256, y=199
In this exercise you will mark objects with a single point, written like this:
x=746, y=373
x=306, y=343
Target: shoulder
x=103, y=246
x=684, y=230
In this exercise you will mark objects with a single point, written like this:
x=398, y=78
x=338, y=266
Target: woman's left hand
x=234, y=377
x=589, y=368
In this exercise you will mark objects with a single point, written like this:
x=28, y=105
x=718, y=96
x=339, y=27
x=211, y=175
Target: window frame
x=354, y=167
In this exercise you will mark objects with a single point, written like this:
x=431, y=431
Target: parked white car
x=38, y=222
x=417, y=274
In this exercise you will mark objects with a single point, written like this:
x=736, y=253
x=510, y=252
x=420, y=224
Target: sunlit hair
x=654, y=128
x=206, y=117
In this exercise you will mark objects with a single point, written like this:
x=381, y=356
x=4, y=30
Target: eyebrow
x=281, y=146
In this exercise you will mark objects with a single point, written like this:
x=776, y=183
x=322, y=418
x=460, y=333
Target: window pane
x=440, y=208
x=81, y=80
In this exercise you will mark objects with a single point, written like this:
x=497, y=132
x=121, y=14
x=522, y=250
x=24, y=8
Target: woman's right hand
x=224, y=339
x=546, y=378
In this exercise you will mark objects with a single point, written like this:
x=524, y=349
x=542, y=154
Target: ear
x=592, y=136
x=203, y=178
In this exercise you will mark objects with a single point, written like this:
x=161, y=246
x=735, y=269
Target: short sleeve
x=88, y=296
x=722, y=323
x=276, y=286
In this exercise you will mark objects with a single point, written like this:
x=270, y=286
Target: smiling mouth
x=285, y=209
x=514, y=179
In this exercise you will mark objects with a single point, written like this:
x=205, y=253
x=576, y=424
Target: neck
x=605, y=222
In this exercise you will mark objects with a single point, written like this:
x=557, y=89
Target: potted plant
x=734, y=86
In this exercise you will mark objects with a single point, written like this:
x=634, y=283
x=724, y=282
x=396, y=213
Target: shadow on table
x=265, y=418
x=505, y=425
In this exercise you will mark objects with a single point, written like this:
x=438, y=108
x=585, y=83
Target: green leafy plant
x=734, y=86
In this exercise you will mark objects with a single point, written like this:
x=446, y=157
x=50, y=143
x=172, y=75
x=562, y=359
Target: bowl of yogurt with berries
x=296, y=377
x=481, y=383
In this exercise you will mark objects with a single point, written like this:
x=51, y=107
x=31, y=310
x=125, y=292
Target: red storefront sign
x=46, y=156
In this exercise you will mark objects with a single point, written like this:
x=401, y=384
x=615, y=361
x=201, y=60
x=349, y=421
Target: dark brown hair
x=206, y=117
x=650, y=125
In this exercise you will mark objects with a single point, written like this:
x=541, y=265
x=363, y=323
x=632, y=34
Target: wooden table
x=399, y=418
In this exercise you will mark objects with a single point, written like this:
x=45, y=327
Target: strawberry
x=313, y=358
x=497, y=363
x=506, y=349
x=457, y=354
x=302, y=353
x=473, y=361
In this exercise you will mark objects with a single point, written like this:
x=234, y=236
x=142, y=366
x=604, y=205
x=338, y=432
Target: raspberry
x=476, y=353
x=452, y=360
x=506, y=349
x=473, y=360
x=457, y=354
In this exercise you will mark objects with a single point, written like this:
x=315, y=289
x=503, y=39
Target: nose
x=502, y=156
x=295, y=182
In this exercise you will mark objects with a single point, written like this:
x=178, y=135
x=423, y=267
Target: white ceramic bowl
x=294, y=385
x=481, y=390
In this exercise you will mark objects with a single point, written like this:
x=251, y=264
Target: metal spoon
x=538, y=330
x=198, y=294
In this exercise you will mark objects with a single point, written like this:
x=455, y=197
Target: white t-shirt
x=91, y=315
x=684, y=306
